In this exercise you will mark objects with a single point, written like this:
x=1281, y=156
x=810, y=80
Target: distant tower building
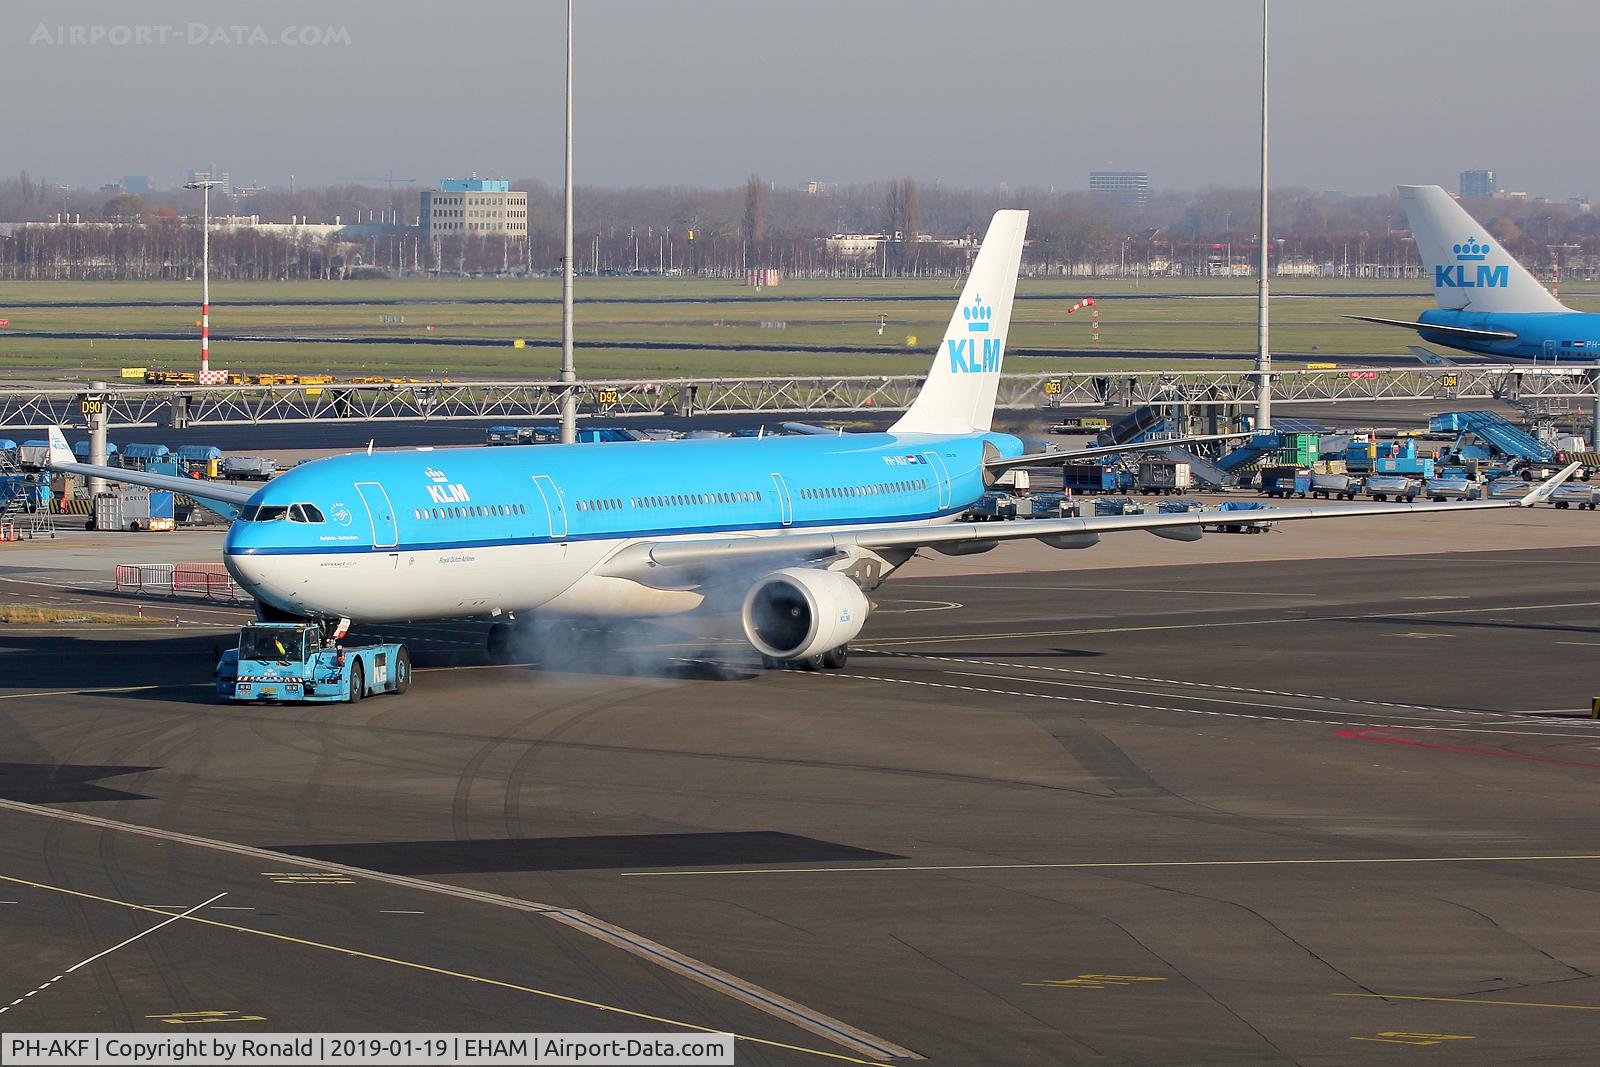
x=226, y=188
x=136, y=183
x=1477, y=183
x=477, y=206
x=1130, y=187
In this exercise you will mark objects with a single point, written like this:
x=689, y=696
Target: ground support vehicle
x=1052, y=506
x=1338, y=486
x=1575, y=496
x=1162, y=476
x=1384, y=486
x=292, y=661
x=1285, y=482
x=1232, y=506
x=1437, y=489
x=1119, y=505
x=992, y=507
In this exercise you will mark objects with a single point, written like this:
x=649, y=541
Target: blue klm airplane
x=1488, y=302
x=789, y=531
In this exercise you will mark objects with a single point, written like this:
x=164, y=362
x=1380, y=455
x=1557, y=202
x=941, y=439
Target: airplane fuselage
x=1542, y=336
x=430, y=534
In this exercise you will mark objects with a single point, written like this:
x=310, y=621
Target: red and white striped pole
x=204, y=185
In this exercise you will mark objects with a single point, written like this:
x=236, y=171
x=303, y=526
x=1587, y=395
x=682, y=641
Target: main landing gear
x=831, y=660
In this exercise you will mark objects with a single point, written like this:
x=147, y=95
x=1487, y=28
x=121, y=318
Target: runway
x=1264, y=811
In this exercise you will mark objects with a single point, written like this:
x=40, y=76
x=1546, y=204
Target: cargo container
x=34, y=454
x=1300, y=449
x=1340, y=486
x=1285, y=481
x=250, y=468
x=1090, y=478
x=1162, y=476
x=1119, y=505
x=1384, y=486
x=134, y=508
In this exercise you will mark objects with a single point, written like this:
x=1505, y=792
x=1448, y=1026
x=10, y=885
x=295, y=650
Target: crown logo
x=978, y=315
x=436, y=475
x=1471, y=251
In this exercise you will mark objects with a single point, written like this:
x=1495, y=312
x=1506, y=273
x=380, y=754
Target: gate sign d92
x=606, y=397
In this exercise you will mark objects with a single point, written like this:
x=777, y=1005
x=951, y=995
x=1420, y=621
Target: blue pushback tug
x=290, y=661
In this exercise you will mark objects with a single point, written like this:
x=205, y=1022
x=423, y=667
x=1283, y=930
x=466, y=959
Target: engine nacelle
x=797, y=612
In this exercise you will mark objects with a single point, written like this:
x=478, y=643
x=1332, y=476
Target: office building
x=1130, y=187
x=1477, y=183
x=476, y=207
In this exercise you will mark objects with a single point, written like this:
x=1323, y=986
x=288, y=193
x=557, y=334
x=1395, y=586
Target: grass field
x=708, y=323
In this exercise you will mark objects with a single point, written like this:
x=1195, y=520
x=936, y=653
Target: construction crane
x=391, y=181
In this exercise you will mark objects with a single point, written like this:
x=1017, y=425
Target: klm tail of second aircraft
x=958, y=396
x=1468, y=268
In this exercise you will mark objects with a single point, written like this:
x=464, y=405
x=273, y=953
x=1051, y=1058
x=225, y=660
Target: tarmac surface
x=1319, y=796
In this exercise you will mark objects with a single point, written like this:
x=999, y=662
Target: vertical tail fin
x=59, y=452
x=958, y=396
x=1469, y=269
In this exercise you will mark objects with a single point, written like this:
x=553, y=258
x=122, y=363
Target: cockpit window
x=264, y=513
x=308, y=513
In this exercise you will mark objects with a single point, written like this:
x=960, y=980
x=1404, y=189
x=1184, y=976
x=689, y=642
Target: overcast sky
x=1367, y=93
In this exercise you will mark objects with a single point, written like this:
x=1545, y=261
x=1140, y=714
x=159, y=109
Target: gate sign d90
x=92, y=406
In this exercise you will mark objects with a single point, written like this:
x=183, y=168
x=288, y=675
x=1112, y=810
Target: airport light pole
x=569, y=396
x=1263, y=351
x=204, y=185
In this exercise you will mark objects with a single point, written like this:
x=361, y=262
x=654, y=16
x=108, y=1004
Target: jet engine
x=798, y=613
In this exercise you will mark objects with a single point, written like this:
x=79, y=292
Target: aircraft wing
x=1072, y=455
x=227, y=499
x=666, y=562
x=1463, y=332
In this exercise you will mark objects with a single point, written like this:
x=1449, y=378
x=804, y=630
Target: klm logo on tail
x=1447, y=276
x=966, y=354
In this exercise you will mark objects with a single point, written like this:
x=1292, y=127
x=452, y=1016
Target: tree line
x=723, y=232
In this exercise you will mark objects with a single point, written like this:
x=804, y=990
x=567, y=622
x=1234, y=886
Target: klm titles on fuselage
x=443, y=491
x=966, y=355
x=1460, y=276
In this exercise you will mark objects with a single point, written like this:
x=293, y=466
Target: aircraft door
x=385, y=531
x=941, y=476
x=1550, y=350
x=785, y=505
x=555, y=507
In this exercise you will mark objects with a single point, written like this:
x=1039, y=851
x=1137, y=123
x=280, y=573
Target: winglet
x=1548, y=486
x=59, y=452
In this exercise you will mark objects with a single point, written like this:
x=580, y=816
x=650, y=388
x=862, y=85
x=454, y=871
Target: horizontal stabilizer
x=1463, y=332
x=1072, y=455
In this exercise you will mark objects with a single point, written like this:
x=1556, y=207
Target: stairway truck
x=290, y=662
x=1285, y=481
x=1162, y=476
